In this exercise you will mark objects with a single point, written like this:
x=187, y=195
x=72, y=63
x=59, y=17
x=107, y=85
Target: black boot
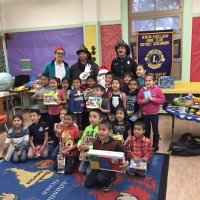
x=155, y=143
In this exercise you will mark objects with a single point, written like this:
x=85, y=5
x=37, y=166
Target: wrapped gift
x=9, y=152
x=94, y=102
x=106, y=160
x=166, y=82
x=50, y=98
x=140, y=167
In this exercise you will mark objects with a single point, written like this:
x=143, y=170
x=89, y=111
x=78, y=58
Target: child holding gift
x=104, y=142
x=89, y=134
x=38, y=136
x=139, y=148
x=150, y=98
x=18, y=136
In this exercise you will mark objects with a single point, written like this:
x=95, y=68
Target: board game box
x=94, y=102
x=50, y=98
x=106, y=160
x=166, y=82
x=141, y=166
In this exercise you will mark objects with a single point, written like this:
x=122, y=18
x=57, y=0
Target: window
x=149, y=15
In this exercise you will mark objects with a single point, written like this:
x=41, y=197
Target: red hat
x=104, y=69
x=59, y=48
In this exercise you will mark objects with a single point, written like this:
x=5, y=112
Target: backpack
x=186, y=145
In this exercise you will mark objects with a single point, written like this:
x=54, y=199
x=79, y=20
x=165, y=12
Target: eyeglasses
x=59, y=53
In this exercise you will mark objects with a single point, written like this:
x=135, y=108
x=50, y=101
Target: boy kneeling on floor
x=138, y=150
x=104, y=142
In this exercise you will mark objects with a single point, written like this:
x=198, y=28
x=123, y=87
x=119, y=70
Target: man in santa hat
x=123, y=63
x=103, y=70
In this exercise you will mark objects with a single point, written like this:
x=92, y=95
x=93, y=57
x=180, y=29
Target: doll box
x=137, y=167
x=50, y=98
x=166, y=82
x=106, y=160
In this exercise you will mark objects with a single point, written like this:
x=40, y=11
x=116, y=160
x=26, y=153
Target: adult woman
x=58, y=67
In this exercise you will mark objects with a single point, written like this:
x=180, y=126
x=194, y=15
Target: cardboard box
x=138, y=167
x=50, y=98
x=106, y=160
x=166, y=82
x=94, y=102
x=9, y=152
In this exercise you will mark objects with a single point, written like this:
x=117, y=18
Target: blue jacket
x=49, y=69
x=76, y=101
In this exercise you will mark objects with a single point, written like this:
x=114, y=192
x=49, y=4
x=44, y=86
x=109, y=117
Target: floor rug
x=37, y=180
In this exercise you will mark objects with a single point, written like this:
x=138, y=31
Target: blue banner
x=155, y=51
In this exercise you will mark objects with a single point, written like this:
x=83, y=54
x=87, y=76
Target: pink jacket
x=151, y=107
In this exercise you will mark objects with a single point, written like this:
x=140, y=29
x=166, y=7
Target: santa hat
x=104, y=69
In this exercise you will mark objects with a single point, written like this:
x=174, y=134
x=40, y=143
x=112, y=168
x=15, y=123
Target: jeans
x=84, y=167
x=21, y=158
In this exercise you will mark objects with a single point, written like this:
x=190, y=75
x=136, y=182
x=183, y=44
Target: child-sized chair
x=3, y=120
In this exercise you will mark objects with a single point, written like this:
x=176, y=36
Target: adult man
x=123, y=63
x=84, y=67
x=58, y=67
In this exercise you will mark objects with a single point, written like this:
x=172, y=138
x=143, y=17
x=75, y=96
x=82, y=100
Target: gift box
x=106, y=160
x=50, y=98
x=166, y=82
x=93, y=102
x=141, y=166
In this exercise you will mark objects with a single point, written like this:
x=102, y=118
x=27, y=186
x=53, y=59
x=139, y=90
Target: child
x=150, y=98
x=108, y=84
x=132, y=107
x=65, y=88
x=89, y=134
x=121, y=126
x=70, y=137
x=98, y=91
x=38, y=136
x=117, y=98
x=138, y=147
x=39, y=96
x=90, y=82
x=19, y=137
x=141, y=71
x=54, y=110
x=76, y=101
x=127, y=77
x=104, y=142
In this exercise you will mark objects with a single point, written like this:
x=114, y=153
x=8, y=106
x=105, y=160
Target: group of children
x=115, y=125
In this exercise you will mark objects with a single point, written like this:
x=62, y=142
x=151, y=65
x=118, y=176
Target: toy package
x=50, y=98
x=38, y=151
x=60, y=161
x=166, y=82
x=87, y=93
x=88, y=140
x=141, y=166
x=9, y=152
x=106, y=160
x=94, y=102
